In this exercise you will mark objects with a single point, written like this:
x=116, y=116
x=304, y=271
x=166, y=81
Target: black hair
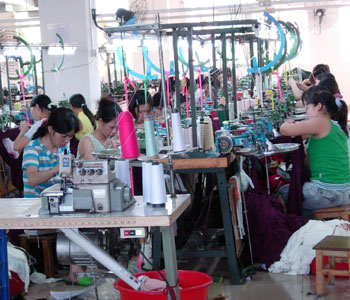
x=325, y=75
x=205, y=80
x=337, y=108
x=157, y=99
x=62, y=120
x=78, y=101
x=318, y=69
x=330, y=84
x=139, y=99
x=215, y=82
x=43, y=101
x=107, y=110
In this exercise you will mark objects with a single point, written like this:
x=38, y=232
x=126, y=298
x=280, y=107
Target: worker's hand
x=290, y=121
x=291, y=81
x=223, y=101
x=23, y=127
x=56, y=169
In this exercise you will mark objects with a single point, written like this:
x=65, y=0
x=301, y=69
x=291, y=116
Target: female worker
x=41, y=107
x=139, y=106
x=103, y=136
x=327, y=149
x=41, y=155
x=87, y=122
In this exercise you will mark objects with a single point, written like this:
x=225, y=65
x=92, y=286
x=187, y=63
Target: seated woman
x=87, y=122
x=327, y=149
x=40, y=157
x=40, y=108
x=102, y=137
x=139, y=107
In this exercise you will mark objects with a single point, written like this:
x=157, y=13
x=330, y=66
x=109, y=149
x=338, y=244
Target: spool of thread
x=231, y=110
x=178, y=137
x=151, y=145
x=158, y=192
x=122, y=171
x=146, y=181
x=211, y=139
x=187, y=131
x=200, y=132
x=127, y=135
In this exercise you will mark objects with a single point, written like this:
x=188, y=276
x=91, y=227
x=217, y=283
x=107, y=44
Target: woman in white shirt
x=41, y=108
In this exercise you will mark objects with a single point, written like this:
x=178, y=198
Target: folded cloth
x=150, y=284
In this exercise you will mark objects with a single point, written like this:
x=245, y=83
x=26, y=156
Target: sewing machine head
x=86, y=186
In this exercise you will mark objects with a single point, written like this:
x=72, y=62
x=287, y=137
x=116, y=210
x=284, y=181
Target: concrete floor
x=262, y=286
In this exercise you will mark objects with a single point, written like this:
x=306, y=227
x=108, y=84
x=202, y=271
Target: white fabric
x=8, y=144
x=297, y=256
x=33, y=129
x=18, y=263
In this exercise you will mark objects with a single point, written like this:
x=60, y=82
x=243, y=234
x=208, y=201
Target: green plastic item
x=85, y=281
x=221, y=115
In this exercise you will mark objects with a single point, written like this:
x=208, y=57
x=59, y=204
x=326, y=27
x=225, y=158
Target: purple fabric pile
x=14, y=164
x=270, y=228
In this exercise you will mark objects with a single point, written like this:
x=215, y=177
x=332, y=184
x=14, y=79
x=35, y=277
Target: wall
x=80, y=72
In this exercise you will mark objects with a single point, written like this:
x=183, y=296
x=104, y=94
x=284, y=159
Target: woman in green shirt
x=327, y=149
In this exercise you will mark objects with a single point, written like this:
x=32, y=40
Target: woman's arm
x=296, y=91
x=317, y=127
x=86, y=147
x=36, y=177
x=21, y=141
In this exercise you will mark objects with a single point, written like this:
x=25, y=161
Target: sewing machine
x=86, y=186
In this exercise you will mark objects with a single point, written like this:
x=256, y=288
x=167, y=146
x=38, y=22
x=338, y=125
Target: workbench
x=217, y=166
x=22, y=213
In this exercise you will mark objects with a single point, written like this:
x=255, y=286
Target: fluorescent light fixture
x=59, y=51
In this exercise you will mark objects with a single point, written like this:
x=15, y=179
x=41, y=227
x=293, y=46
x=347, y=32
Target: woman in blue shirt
x=40, y=158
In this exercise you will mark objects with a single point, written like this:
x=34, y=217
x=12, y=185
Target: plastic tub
x=194, y=286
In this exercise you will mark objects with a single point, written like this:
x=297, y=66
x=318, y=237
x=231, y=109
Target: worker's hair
x=335, y=106
x=43, y=101
x=78, y=101
x=108, y=110
x=62, y=120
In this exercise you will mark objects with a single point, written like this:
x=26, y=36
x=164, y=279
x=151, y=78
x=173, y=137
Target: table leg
x=4, y=274
x=156, y=249
x=169, y=251
x=235, y=275
x=319, y=272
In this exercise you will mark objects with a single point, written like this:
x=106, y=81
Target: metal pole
x=234, y=86
x=115, y=69
x=213, y=50
x=42, y=70
x=224, y=69
x=143, y=59
x=177, y=80
x=109, y=71
x=215, y=100
x=260, y=58
x=35, y=78
x=192, y=87
x=1, y=90
x=8, y=83
x=161, y=63
x=251, y=48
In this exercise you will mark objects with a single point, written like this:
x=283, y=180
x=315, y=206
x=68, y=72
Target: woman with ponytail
x=103, y=136
x=41, y=108
x=327, y=149
x=40, y=157
x=87, y=121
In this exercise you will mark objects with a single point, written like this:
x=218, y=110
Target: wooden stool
x=331, y=246
x=339, y=212
x=46, y=242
